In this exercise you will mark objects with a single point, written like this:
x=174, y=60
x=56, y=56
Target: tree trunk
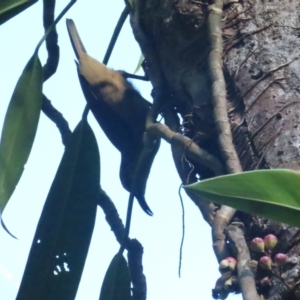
x=261, y=66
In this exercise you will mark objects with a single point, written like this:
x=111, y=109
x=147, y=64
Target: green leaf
x=10, y=8
x=66, y=224
x=132, y=3
x=139, y=65
x=274, y=194
x=20, y=127
x=116, y=283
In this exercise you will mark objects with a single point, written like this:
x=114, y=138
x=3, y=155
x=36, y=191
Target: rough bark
x=261, y=65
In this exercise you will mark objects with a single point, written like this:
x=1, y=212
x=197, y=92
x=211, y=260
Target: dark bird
x=119, y=109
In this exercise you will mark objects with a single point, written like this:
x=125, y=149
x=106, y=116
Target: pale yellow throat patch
x=110, y=84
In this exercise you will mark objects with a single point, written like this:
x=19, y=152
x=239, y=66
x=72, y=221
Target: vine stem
x=219, y=89
x=227, y=148
x=116, y=33
x=127, y=224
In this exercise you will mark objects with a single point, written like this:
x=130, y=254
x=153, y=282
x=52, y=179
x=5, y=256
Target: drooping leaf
x=64, y=231
x=116, y=283
x=19, y=128
x=274, y=194
x=10, y=8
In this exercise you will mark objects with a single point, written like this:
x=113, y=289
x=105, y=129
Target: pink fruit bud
x=223, y=265
x=265, y=262
x=280, y=259
x=227, y=263
x=270, y=241
x=257, y=245
x=231, y=263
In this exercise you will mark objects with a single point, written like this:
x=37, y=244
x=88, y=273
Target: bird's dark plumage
x=119, y=109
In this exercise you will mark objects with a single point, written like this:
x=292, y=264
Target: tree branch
x=135, y=256
x=227, y=148
x=50, y=68
x=193, y=152
x=55, y=116
x=52, y=40
x=181, y=146
x=219, y=89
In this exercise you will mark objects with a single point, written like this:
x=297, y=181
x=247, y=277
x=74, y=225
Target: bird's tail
x=75, y=39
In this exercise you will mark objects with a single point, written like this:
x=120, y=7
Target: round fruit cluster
x=265, y=246
x=228, y=282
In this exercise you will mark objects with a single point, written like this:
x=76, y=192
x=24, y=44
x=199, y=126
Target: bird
x=119, y=109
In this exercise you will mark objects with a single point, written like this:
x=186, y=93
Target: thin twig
x=133, y=76
x=244, y=36
x=237, y=22
x=116, y=33
x=183, y=166
x=273, y=116
x=237, y=14
x=270, y=72
x=265, y=151
x=259, y=95
x=244, y=61
x=264, y=124
x=285, y=26
x=127, y=223
x=183, y=231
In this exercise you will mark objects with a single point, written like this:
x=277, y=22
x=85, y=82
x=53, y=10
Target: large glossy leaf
x=64, y=231
x=116, y=283
x=10, y=8
x=19, y=128
x=274, y=194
